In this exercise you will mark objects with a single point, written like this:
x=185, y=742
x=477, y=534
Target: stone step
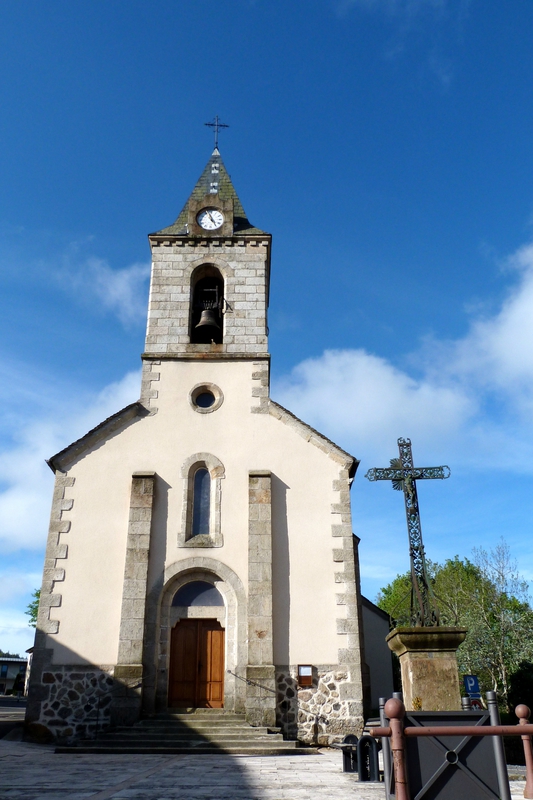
x=167, y=728
x=191, y=744
x=373, y=722
x=207, y=713
x=207, y=733
x=195, y=723
x=283, y=749
x=189, y=733
x=148, y=735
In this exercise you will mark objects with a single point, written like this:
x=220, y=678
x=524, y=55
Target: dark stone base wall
x=63, y=705
x=319, y=714
x=67, y=700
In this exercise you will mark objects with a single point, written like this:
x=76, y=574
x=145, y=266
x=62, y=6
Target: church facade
x=200, y=551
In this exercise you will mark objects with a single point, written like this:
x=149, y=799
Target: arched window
x=207, y=301
x=202, y=475
x=201, y=505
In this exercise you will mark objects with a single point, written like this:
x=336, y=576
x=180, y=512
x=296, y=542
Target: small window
x=198, y=593
x=201, y=502
x=202, y=475
x=205, y=400
x=3, y=671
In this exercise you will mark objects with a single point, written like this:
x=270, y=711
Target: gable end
x=102, y=431
x=314, y=437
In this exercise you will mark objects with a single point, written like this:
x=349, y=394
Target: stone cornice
x=255, y=240
x=206, y=356
x=425, y=640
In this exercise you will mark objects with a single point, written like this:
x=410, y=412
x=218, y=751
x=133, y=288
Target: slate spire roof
x=216, y=181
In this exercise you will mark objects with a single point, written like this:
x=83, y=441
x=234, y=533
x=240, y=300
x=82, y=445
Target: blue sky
x=386, y=145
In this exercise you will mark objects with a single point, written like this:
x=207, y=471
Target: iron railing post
x=523, y=712
x=395, y=711
x=385, y=746
x=499, y=753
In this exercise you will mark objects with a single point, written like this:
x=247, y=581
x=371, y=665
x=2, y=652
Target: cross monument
x=404, y=474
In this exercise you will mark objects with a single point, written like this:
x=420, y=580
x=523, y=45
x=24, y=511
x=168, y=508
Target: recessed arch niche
x=185, y=581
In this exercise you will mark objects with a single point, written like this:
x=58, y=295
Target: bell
x=207, y=317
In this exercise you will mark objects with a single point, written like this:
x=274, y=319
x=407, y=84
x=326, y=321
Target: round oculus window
x=206, y=397
x=205, y=400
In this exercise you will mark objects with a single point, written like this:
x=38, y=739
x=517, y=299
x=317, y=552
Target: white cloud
x=352, y=394
x=497, y=353
x=121, y=291
x=475, y=394
x=25, y=500
x=16, y=584
x=27, y=481
x=15, y=634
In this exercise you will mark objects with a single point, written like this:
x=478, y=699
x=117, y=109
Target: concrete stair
x=198, y=731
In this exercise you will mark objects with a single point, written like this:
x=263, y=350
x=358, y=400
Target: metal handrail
x=250, y=682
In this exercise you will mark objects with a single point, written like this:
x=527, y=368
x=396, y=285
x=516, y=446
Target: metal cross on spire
x=217, y=126
x=403, y=475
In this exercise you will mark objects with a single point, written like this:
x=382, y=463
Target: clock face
x=210, y=219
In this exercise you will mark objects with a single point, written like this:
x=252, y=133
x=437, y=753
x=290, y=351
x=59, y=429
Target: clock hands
x=210, y=219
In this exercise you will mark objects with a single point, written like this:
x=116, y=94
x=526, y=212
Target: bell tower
x=210, y=277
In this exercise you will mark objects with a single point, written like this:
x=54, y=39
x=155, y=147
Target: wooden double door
x=197, y=664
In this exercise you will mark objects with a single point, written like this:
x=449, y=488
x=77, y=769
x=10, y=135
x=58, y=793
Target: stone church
x=200, y=551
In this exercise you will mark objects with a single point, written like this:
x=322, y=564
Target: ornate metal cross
x=217, y=126
x=404, y=475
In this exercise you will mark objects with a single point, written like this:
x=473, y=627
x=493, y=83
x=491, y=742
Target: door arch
x=231, y=616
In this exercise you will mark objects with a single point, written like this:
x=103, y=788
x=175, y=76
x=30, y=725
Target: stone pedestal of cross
x=403, y=474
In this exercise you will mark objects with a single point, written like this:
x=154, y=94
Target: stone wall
x=243, y=263
x=318, y=714
x=260, y=689
x=127, y=699
x=71, y=699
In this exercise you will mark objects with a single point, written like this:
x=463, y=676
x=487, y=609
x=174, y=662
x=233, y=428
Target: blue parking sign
x=471, y=684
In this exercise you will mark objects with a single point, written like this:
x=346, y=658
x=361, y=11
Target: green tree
x=489, y=598
x=504, y=617
x=33, y=608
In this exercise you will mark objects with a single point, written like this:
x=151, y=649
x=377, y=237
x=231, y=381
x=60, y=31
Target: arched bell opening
x=207, y=301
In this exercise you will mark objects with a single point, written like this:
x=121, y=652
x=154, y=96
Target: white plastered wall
x=303, y=495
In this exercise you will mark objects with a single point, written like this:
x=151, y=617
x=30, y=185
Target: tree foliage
x=33, y=608
x=488, y=597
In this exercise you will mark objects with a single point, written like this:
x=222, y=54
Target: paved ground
x=33, y=772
